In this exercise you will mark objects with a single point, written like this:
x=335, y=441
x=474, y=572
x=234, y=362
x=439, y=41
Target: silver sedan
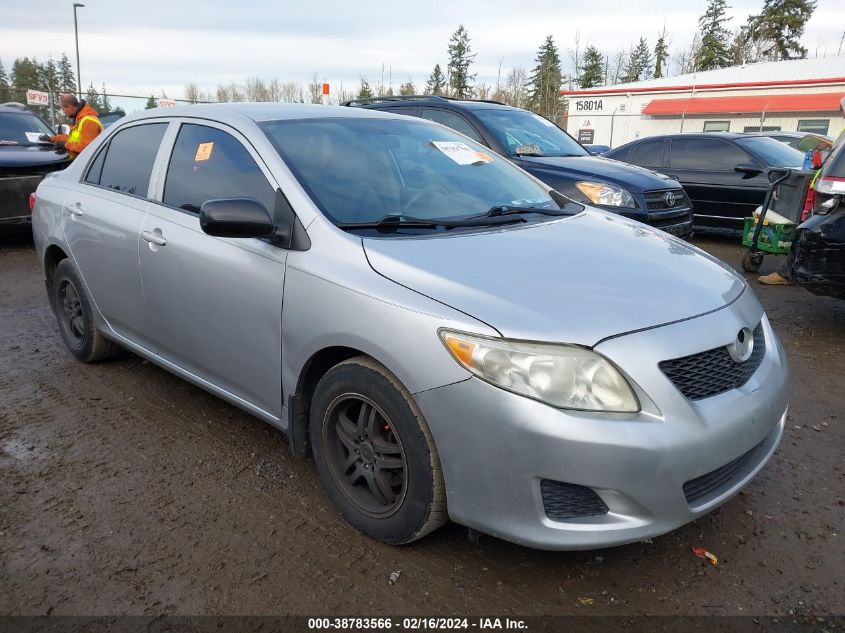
x=449, y=338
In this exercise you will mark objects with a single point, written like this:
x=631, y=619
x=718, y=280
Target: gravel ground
x=127, y=491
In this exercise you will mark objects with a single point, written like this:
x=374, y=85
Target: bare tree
x=256, y=90
x=575, y=59
x=482, y=91
x=291, y=92
x=617, y=67
x=315, y=89
x=516, y=87
x=192, y=93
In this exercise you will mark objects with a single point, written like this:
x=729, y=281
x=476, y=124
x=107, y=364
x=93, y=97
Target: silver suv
x=446, y=335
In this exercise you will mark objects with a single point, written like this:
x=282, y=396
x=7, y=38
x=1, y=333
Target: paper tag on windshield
x=204, y=151
x=462, y=153
x=32, y=137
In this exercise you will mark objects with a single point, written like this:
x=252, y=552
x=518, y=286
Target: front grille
x=713, y=372
x=654, y=199
x=563, y=501
x=720, y=479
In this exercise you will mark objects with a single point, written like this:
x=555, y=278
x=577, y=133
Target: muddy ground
x=124, y=490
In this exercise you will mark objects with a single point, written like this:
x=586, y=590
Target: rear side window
x=648, y=154
x=208, y=163
x=705, y=154
x=452, y=120
x=127, y=164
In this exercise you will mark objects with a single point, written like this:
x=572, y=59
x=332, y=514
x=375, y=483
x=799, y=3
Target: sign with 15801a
x=589, y=105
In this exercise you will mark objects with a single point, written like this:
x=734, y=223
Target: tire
x=76, y=318
x=357, y=399
x=752, y=261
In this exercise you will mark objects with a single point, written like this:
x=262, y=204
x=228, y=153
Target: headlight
x=607, y=195
x=563, y=376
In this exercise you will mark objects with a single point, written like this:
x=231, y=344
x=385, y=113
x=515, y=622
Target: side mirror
x=236, y=217
x=749, y=169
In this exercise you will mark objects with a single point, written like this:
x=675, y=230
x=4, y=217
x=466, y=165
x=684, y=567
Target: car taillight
x=809, y=201
x=31, y=202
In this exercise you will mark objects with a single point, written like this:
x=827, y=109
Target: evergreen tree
x=776, y=32
x=408, y=88
x=639, y=62
x=436, y=82
x=67, y=79
x=92, y=97
x=661, y=54
x=714, y=51
x=364, y=92
x=4, y=80
x=545, y=81
x=592, y=73
x=26, y=74
x=460, y=58
x=105, y=104
x=151, y=103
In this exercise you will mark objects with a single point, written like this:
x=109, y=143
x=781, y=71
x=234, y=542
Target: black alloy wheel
x=365, y=455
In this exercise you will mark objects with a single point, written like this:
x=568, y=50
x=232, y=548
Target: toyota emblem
x=740, y=350
x=669, y=198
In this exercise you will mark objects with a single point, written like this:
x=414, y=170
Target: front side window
x=127, y=163
x=452, y=120
x=208, y=163
x=705, y=154
x=648, y=154
x=516, y=129
x=361, y=170
x=772, y=152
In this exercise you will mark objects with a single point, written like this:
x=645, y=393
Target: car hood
x=630, y=177
x=21, y=156
x=576, y=280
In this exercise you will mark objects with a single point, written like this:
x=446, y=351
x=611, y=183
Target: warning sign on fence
x=36, y=97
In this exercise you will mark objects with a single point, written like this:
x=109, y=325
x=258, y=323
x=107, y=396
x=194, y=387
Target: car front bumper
x=496, y=447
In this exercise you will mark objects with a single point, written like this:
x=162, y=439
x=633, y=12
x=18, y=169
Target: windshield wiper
x=391, y=223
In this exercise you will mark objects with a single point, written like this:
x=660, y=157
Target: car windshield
x=526, y=133
x=410, y=171
x=772, y=152
x=21, y=128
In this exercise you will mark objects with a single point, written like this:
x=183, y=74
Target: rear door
x=102, y=218
x=719, y=194
x=215, y=304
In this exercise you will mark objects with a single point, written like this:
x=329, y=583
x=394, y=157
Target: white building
x=795, y=95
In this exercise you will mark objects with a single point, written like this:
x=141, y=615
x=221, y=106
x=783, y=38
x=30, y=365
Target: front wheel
x=751, y=261
x=375, y=453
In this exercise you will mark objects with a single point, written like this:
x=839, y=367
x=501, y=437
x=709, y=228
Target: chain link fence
x=615, y=129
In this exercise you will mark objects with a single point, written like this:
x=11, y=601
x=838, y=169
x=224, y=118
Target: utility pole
x=77, y=5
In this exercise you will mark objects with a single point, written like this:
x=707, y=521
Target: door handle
x=154, y=238
x=75, y=210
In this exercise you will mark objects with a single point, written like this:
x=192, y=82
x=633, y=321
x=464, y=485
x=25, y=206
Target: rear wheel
x=375, y=453
x=76, y=318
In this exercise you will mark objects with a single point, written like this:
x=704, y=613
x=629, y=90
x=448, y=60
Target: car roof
x=790, y=134
x=234, y=113
x=411, y=101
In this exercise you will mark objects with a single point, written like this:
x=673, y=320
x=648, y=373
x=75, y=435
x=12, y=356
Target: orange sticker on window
x=204, y=151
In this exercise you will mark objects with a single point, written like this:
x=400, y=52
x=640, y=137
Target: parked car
x=23, y=162
x=820, y=241
x=802, y=141
x=549, y=153
x=725, y=175
x=107, y=118
x=450, y=337
x=596, y=150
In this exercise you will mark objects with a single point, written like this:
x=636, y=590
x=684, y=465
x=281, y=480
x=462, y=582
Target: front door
x=215, y=304
x=102, y=220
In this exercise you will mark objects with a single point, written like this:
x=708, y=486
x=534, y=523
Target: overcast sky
x=146, y=47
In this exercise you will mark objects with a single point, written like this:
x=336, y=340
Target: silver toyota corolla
x=447, y=336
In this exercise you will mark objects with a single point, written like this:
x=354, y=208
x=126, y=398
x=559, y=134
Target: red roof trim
x=750, y=84
x=812, y=102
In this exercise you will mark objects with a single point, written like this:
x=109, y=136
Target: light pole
x=76, y=35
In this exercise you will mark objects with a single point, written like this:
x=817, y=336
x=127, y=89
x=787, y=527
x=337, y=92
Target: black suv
x=550, y=154
x=23, y=161
x=725, y=175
